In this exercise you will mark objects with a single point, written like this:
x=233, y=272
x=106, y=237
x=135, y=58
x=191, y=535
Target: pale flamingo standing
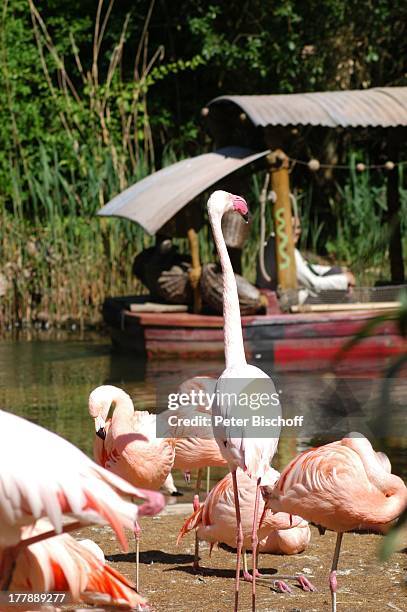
x=43, y=475
x=341, y=486
x=63, y=564
x=215, y=522
x=251, y=454
x=131, y=448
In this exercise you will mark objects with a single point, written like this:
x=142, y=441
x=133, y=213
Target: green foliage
x=97, y=94
x=252, y=244
x=73, y=141
x=362, y=233
x=311, y=226
x=297, y=46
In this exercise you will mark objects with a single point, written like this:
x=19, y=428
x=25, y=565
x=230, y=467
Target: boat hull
x=306, y=341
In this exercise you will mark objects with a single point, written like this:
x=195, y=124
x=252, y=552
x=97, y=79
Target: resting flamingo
x=200, y=450
x=341, y=486
x=251, y=454
x=130, y=446
x=43, y=475
x=63, y=564
x=287, y=541
x=215, y=522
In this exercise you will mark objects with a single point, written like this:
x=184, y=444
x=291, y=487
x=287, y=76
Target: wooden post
x=394, y=210
x=195, y=272
x=282, y=214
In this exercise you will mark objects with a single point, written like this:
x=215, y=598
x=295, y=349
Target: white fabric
x=320, y=269
x=308, y=280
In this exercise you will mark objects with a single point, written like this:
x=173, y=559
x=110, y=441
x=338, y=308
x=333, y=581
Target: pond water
x=47, y=379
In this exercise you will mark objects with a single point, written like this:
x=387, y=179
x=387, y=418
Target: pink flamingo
x=43, y=475
x=101, y=456
x=287, y=541
x=215, y=521
x=130, y=447
x=251, y=454
x=63, y=564
x=201, y=450
x=341, y=486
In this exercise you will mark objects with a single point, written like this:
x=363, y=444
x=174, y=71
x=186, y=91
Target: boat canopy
x=156, y=199
x=378, y=107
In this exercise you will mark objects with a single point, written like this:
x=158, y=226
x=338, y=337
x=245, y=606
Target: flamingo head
x=99, y=404
x=268, y=483
x=223, y=201
x=267, y=494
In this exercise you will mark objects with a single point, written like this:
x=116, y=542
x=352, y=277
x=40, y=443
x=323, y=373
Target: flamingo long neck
x=389, y=485
x=375, y=471
x=123, y=411
x=234, y=348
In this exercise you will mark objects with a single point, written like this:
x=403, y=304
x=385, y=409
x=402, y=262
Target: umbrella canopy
x=155, y=200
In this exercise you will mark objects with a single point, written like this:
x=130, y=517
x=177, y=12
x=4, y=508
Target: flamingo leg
x=208, y=479
x=239, y=538
x=198, y=481
x=246, y=575
x=332, y=576
x=137, y=531
x=195, y=565
x=255, y=543
x=262, y=516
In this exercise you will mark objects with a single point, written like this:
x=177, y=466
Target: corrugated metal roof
x=379, y=107
x=153, y=201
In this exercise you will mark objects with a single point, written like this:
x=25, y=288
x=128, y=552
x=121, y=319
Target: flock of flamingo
x=49, y=488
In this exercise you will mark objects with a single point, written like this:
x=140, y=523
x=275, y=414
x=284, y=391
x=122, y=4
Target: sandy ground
x=168, y=582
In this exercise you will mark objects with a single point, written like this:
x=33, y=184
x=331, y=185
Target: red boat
x=300, y=341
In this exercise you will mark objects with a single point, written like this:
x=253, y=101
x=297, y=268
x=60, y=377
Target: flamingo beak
x=100, y=427
x=240, y=206
x=101, y=433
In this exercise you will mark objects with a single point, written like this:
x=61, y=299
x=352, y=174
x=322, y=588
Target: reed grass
x=58, y=261
x=362, y=227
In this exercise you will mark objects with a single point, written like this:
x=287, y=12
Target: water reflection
x=48, y=380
